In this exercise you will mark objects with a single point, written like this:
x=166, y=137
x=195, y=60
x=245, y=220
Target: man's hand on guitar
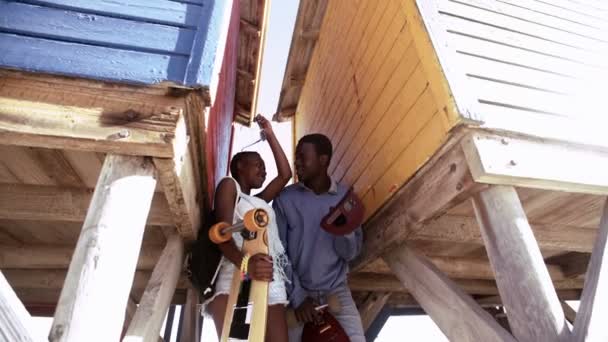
x=260, y=267
x=306, y=312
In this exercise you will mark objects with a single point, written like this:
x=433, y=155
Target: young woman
x=232, y=200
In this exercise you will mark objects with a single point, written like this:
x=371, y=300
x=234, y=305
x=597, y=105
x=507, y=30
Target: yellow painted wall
x=385, y=110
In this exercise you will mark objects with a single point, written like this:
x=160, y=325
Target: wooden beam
x=527, y=162
x=573, y=264
x=371, y=307
x=592, y=315
x=106, y=253
x=47, y=298
x=440, y=184
x=58, y=257
x=51, y=203
x=568, y=294
x=515, y=257
x=245, y=74
x=460, y=268
x=311, y=34
x=310, y=15
x=402, y=300
x=180, y=184
x=287, y=112
x=191, y=328
x=442, y=299
x=14, y=319
x=295, y=81
x=129, y=313
x=109, y=127
x=569, y=312
x=389, y=283
x=52, y=279
x=156, y=299
x=264, y=9
x=463, y=229
x=182, y=195
x=249, y=27
x=180, y=188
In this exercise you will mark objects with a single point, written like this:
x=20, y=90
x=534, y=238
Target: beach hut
x=115, y=124
x=473, y=131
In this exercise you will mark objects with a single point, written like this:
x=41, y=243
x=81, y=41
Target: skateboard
x=247, y=308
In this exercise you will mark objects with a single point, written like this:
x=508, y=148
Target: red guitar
x=326, y=330
x=346, y=216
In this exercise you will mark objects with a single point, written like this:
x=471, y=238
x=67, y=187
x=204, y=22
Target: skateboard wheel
x=255, y=220
x=216, y=235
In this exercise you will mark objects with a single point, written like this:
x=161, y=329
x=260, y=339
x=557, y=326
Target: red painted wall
x=219, y=127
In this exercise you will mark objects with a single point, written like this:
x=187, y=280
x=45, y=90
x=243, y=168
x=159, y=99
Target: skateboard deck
x=247, y=308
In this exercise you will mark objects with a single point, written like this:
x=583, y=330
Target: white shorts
x=276, y=290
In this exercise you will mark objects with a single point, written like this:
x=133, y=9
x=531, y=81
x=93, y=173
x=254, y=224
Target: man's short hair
x=321, y=142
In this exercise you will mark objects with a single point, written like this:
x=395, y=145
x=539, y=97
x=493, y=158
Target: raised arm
x=284, y=170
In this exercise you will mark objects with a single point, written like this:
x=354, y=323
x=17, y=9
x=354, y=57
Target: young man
x=318, y=259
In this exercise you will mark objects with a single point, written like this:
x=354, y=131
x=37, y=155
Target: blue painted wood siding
x=132, y=41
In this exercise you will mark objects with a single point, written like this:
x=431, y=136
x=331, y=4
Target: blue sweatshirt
x=318, y=259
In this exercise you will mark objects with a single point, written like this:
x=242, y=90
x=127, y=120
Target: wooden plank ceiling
x=305, y=36
x=565, y=226
x=35, y=253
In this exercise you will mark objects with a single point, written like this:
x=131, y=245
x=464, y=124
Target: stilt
x=371, y=307
x=156, y=299
x=568, y=311
x=443, y=300
x=103, y=265
x=14, y=319
x=590, y=324
x=169, y=324
x=191, y=328
x=532, y=305
x=129, y=313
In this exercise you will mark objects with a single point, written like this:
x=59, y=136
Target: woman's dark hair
x=238, y=158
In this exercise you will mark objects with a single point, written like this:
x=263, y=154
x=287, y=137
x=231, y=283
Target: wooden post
x=129, y=313
x=156, y=299
x=371, y=307
x=14, y=319
x=590, y=324
x=101, y=272
x=169, y=323
x=454, y=311
x=523, y=281
x=569, y=312
x=191, y=328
